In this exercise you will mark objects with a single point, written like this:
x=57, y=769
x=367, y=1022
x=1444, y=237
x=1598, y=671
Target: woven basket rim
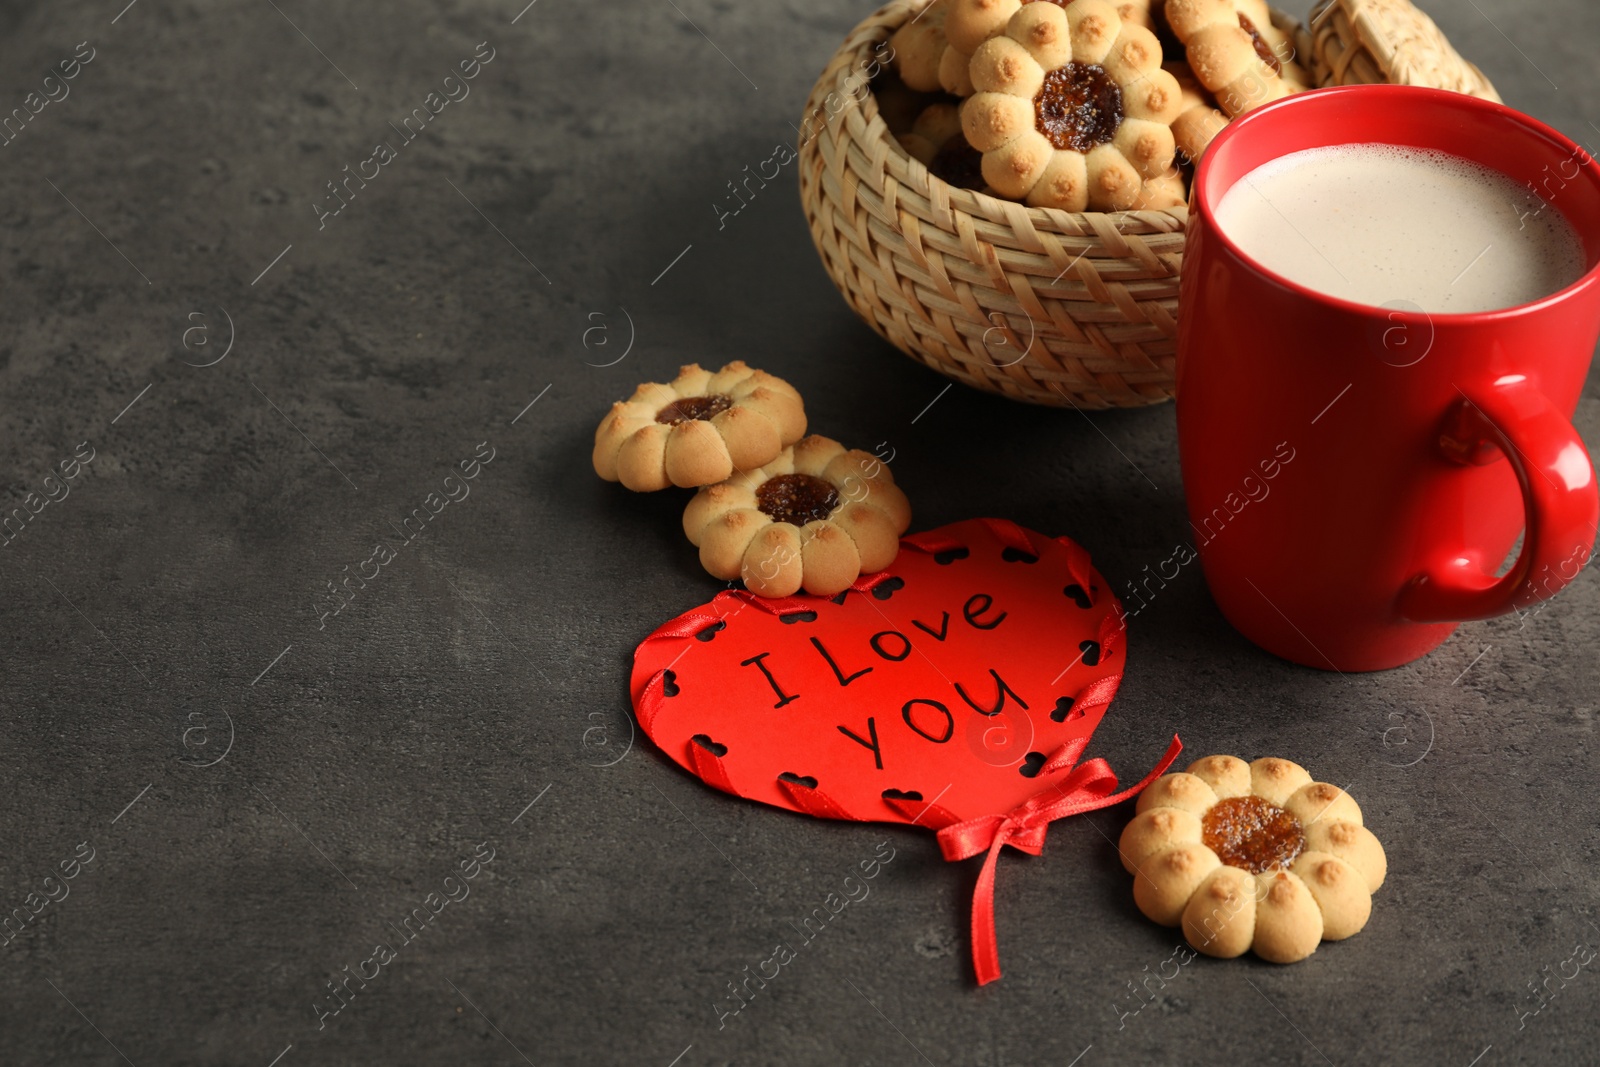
x=948, y=274
x=1346, y=32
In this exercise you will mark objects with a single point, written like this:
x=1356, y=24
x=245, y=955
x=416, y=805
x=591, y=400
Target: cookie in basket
x=1236, y=52
x=815, y=518
x=936, y=141
x=1163, y=191
x=919, y=46
x=1296, y=70
x=972, y=22
x=1072, y=109
x=1199, y=121
x=698, y=428
x=1140, y=12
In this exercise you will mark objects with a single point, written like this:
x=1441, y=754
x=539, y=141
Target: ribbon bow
x=1089, y=787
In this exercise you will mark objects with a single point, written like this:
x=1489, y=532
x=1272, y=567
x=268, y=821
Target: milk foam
x=1393, y=226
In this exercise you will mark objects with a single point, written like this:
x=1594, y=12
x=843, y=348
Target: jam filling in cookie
x=797, y=498
x=694, y=409
x=1078, y=107
x=1263, y=49
x=1252, y=834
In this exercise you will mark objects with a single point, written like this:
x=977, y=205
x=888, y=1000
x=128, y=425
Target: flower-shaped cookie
x=698, y=428
x=1072, y=108
x=1252, y=856
x=934, y=49
x=816, y=518
x=1236, y=51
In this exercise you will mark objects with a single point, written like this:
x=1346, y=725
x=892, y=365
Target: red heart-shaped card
x=955, y=690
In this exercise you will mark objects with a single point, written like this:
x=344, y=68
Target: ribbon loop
x=1088, y=787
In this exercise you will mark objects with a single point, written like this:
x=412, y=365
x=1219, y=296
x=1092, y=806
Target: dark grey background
x=173, y=592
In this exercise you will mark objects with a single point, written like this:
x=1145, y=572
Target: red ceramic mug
x=1356, y=475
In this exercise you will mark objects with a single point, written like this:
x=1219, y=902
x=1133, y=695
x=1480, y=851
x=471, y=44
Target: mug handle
x=1559, y=498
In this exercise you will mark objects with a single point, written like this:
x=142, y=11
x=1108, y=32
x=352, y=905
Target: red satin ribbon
x=1088, y=788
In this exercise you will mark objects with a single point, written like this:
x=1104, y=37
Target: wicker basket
x=1041, y=305
x=1360, y=42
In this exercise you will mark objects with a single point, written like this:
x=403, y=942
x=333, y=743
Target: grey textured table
x=266, y=793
